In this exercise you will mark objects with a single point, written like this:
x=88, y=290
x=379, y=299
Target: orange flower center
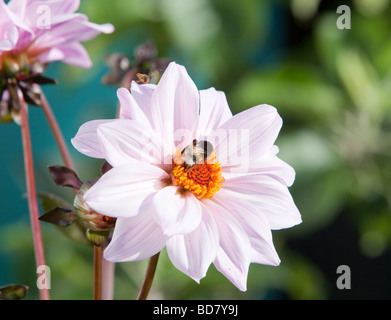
x=202, y=179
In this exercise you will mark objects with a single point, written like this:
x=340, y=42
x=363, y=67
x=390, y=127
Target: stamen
x=202, y=179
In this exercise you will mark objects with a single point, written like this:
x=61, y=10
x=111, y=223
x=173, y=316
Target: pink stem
x=98, y=251
x=56, y=132
x=32, y=194
x=108, y=272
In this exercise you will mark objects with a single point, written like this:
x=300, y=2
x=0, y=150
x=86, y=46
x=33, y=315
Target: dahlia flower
x=188, y=176
x=45, y=31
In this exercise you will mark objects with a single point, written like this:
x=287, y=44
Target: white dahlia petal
x=135, y=238
x=175, y=212
x=121, y=191
x=193, y=253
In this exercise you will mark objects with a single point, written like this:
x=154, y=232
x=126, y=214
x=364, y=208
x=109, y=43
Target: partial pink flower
x=46, y=31
x=169, y=189
x=8, y=31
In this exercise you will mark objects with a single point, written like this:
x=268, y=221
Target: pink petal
x=14, y=11
x=214, y=111
x=86, y=139
x=135, y=238
x=124, y=141
x=18, y=7
x=176, y=212
x=72, y=53
x=234, y=254
x=193, y=253
x=269, y=195
x=5, y=45
x=65, y=6
x=247, y=135
x=56, y=7
x=59, y=34
x=12, y=27
x=9, y=38
x=175, y=105
x=93, y=29
x=54, y=12
x=254, y=223
x=187, y=102
x=272, y=166
x=74, y=28
x=121, y=191
x=130, y=108
x=143, y=93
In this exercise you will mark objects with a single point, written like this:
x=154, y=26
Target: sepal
x=59, y=216
x=65, y=177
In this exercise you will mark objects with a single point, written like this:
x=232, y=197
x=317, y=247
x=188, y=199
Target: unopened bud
x=10, y=67
x=98, y=225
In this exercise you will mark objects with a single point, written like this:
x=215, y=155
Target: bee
x=195, y=153
x=143, y=78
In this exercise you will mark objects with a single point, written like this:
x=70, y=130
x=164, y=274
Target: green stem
x=143, y=294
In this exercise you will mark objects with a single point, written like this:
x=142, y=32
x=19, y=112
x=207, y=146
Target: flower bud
x=10, y=67
x=99, y=226
x=91, y=219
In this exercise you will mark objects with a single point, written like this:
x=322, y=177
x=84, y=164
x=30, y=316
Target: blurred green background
x=332, y=88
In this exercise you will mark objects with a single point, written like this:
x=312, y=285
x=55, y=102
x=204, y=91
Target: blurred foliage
x=332, y=87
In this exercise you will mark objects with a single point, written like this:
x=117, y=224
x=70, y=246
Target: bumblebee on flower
x=195, y=169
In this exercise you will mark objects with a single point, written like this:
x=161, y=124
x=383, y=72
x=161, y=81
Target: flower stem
x=108, y=272
x=148, y=277
x=56, y=132
x=98, y=255
x=32, y=194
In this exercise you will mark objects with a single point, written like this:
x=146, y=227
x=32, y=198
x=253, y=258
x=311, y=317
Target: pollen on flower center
x=202, y=179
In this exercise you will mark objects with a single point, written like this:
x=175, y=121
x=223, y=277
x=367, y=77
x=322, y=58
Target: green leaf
x=13, y=291
x=59, y=216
